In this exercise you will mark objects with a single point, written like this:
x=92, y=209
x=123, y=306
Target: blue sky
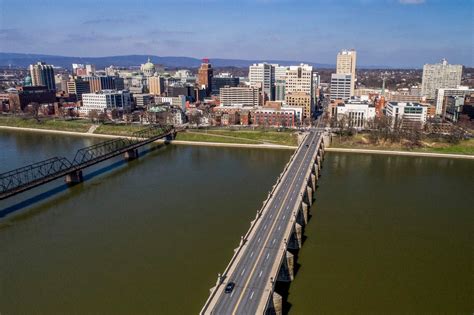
x=384, y=32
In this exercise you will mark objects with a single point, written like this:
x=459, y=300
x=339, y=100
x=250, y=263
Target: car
x=307, y=145
x=229, y=287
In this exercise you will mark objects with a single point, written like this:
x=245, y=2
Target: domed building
x=148, y=68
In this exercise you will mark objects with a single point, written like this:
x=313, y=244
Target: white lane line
x=232, y=293
x=251, y=254
x=265, y=226
x=268, y=255
x=260, y=274
x=241, y=274
x=271, y=216
x=258, y=241
x=274, y=241
x=284, y=217
x=251, y=295
x=279, y=227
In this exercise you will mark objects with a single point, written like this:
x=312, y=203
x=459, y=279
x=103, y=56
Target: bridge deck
x=31, y=176
x=255, y=263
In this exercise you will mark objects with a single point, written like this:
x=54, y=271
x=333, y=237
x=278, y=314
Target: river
x=149, y=236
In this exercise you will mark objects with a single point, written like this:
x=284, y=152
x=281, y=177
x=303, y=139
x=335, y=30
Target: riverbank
x=407, y=153
x=179, y=142
x=436, y=146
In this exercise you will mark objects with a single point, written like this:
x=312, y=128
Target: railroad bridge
x=36, y=174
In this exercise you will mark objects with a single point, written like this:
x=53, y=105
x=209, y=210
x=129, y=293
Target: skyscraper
x=156, y=85
x=299, y=88
x=262, y=75
x=205, y=74
x=43, y=75
x=346, y=64
x=438, y=76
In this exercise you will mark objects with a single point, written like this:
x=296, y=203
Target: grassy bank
x=52, y=124
x=241, y=136
x=361, y=141
x=118, y=129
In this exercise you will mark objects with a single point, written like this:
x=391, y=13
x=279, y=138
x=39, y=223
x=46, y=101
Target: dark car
x=229, y=287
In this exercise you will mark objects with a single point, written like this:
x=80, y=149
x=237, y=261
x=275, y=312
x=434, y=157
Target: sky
x=397, y=33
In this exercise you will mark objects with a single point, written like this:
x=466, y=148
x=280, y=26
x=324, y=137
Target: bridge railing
x=40, y=172
x=249, y=231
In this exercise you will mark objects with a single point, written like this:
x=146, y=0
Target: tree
x=93, y=115
x=33, y=109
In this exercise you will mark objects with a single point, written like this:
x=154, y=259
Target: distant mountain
x=24, y=60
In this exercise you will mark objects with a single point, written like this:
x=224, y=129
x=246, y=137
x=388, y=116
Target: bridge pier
x=308, y=195
x=275, y=306
x=286, y=273
x=131, y=154
x=305, y=211
x=74, y=177
x=171, y=136
x=296, y=238
x=313, y=181
x=316, y=169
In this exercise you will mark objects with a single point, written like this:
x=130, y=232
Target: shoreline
x=404, y=153
x=244, y=145
x=178, y=142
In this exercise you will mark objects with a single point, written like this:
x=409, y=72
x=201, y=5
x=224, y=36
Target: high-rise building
x=299, y=88
x=280, y=90
x=78, y=86
x=262, y=75
x=239, y=96
x=280, y=72
x=222, y=80
x=205, y=74
x=156, y=85
x=346, y=64
x=43, y=75
x=340, y=86
x=99, y=83
x=438, y=76
x=90, y=69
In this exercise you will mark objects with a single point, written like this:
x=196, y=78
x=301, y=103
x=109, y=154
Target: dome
x=149, y=66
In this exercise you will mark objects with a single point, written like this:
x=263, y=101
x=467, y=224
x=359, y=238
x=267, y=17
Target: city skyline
x=395, y=33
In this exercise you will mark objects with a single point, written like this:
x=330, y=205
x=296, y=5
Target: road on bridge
x=252, y=271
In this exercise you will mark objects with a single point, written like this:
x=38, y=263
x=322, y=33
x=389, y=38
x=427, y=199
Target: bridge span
x=264, y=253
x=36, y=174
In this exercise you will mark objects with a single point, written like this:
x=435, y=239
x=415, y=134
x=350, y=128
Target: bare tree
x=93, y=115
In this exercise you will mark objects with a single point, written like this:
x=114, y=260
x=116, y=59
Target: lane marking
x=260, y=274
x=241, y=274
x=269, y=234
x=251, y=295
x=251, y=254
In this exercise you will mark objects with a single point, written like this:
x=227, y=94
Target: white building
x=340, y=86
x=438, y=76
x=408, y=113
x=443, y=92
x=242, y=96
x=356, y=113
x=280, y=72
x=179, y=101
x=262, y=76
x=346, y=64
x=299, y=79
x=106, y=100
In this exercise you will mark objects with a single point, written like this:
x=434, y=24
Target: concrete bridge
x=264, y=255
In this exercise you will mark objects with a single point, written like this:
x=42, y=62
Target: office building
x=262, y=76
x=42, y=75
x=299, y=79
x=280, y=90
x=223, y=80
x=106, y=100
x=143, y=100
x=99, y=83
x=280, y=72
x=302, y=100
x=454, y=108
x=205, y=74
x=406, y=114
x=239, y=96
x=346, y=64
x=355, y=112
x=442, y=93
x=340, y=86
x=78, y=86
x=156, y=85
x=439, y=76
x=25, y=95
